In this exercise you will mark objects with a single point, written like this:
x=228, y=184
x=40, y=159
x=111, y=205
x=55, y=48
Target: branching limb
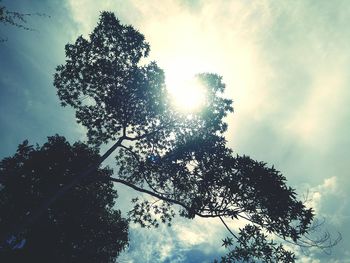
x=159, y=196
x=146, y=135
x=227, y=227
x=136, y=157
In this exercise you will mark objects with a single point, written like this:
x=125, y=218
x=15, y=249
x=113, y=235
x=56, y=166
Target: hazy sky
x=287, y=68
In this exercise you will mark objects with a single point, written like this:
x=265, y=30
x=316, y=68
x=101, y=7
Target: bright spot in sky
x=187, y=94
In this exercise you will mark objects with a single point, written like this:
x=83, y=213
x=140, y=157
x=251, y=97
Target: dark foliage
x=114, y=95
x=15, y=19
x=83, y=226
x=178, y=159
x=253, y=246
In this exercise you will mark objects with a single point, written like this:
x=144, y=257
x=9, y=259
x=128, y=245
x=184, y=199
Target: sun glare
x=187, y=95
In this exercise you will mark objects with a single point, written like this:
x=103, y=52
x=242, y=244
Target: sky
x=286, y=65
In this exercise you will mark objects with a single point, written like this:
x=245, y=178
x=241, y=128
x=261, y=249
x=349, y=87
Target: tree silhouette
x=16, y=19
x=181, y=160
x=174, y=158
x=83, y=226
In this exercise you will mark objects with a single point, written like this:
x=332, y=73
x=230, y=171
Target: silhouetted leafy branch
x=16, y=19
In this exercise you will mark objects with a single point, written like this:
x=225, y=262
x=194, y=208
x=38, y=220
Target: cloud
x=154, y=245
x=200, y=232
x=322, y=191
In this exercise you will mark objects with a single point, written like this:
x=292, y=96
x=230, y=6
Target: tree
x=83, y=226
x=13, y=18
x=176, y=159
x=181, y=161
x=16, y=19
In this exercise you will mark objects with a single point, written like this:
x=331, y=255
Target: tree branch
x=229, y=230
x=143, y=136
x=167, y=199
x=144, y=177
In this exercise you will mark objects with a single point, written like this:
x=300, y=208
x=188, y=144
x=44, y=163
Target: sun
x=187, y=94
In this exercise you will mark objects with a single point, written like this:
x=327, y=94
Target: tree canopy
x=83, y=226
x=182, y=160
x=178, y=159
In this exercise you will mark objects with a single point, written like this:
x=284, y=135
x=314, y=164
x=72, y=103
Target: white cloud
x=314, y=119
x=86, y=13
x=321, y=192
x=200, y=232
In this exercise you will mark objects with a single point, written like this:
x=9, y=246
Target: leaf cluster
x=83, y=226
x=253, y=246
